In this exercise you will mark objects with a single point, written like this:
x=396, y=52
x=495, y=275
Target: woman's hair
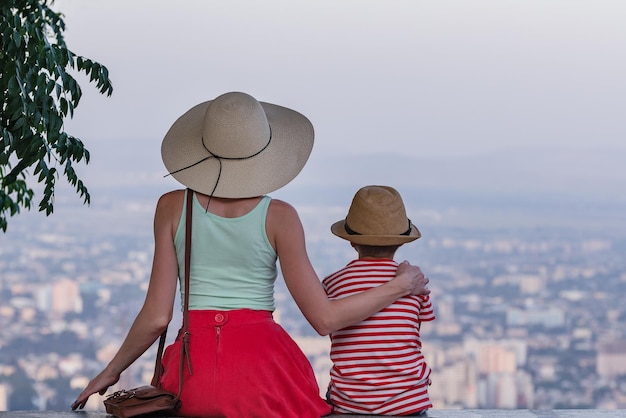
x=376, y=251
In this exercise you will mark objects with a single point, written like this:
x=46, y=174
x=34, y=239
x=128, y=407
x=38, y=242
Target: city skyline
x=527, y=316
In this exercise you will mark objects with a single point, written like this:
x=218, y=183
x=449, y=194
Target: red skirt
x=243, y=365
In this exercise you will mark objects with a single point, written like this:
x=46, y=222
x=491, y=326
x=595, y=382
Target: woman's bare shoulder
x=281, y=208
x=282, y=217
x=171, y=202
x=171, y=197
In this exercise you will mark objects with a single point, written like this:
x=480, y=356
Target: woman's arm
x=326, y=316
x=156, y=313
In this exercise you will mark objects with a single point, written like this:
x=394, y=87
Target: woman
x=231, y=152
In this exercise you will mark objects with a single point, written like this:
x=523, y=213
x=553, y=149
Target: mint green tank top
x=233, y=264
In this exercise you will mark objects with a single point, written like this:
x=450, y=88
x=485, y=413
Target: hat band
x=219, y=159
x=351, y=231
x=213, y=155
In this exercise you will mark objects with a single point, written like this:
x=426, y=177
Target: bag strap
x=158, y=369
x=185, y=345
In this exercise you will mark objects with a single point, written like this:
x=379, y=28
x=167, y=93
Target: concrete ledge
x=434, y=413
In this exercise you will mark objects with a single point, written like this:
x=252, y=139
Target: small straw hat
x=235, y=146
x=376, y=217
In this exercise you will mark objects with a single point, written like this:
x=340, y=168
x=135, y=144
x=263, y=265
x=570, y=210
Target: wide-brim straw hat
x=235, y=146
x=376, y=217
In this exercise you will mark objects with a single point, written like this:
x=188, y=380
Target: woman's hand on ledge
x=99, y=384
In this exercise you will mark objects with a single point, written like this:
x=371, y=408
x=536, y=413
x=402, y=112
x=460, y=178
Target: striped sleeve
x=426, y=309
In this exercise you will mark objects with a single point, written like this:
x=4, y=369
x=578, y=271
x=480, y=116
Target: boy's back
x=378, y=367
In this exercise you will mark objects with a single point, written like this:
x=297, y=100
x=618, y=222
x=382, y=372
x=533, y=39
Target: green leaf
x=17, y=39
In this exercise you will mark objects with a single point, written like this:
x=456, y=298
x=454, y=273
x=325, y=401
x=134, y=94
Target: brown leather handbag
x=150, y=399
x=140, y=401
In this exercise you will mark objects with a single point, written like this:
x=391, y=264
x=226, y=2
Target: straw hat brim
x=285, y=156
x=339, y=229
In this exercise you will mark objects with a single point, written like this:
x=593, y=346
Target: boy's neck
x=366, y=252
x=374, y=258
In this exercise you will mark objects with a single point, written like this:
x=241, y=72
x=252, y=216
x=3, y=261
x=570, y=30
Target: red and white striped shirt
x=378, y=367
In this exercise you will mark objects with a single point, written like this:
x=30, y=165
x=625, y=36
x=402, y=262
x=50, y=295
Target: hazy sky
x=424, y=78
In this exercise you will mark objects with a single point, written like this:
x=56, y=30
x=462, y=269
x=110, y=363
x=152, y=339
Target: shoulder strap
x=185, y=345
x=158, y=369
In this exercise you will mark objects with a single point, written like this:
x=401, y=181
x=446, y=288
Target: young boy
x=378, y=367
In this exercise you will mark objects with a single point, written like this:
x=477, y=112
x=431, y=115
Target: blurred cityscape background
x=527, y=285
